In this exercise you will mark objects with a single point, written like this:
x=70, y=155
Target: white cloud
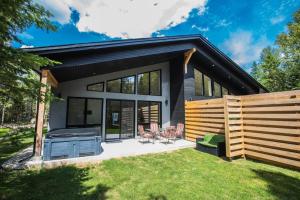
x=223, y=23
x=243, y=48
x=201, y=29
x=277, y=19
x=124, y=18
x=59, y=8
x=25, y=36
x=26, y=46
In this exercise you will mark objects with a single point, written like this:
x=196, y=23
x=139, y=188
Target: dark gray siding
x=177, y=91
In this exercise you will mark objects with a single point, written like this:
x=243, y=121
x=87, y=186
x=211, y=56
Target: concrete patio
x=119, y=149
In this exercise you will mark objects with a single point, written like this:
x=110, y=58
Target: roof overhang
x=83, y=60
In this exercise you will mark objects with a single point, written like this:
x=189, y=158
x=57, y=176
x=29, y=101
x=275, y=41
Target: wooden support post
x=40, y=115
x=187, y=57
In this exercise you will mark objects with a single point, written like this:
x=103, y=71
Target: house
x=114, y=86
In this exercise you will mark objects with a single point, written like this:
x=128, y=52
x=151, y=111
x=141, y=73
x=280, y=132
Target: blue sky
x=240, y=28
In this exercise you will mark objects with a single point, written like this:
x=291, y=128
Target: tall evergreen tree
x=289, y=44
x=269, y=72
x=279, y=68
x=17, y=74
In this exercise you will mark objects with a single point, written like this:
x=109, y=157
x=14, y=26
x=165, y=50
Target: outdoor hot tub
x=72, y=143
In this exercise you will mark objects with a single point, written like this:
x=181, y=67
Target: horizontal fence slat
x=273, y=144
x=262, y=156
x=213, y=125
x=269, y=136
x=195, y=119
x=271, y=116
x=271, y=102
x=272, y=129
x=272, y=123
x=273, y=151
x=291, y=108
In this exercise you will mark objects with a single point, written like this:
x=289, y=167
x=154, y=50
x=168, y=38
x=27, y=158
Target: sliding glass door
x=119, y=119
x=148, y=111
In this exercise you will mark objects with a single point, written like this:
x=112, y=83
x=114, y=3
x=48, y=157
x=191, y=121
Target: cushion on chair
x=212, y=140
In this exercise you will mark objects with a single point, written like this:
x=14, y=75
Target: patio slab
x=119, y=149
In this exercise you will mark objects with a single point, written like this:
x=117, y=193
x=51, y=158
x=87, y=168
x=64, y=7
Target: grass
x=183, y=174
x=12, y=143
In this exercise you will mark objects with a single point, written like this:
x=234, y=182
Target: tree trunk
x=2, y=115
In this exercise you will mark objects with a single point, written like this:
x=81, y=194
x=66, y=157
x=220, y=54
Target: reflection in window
x=143, y=84
x=128, y=85
x=113, y=85
x=98, y=87
x=217, y=90
x=198, y=83
x=224, y=91
x=155, y=83
x=207, y=86
x=148, y=112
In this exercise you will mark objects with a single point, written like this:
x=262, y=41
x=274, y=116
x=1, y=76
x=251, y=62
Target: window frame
x=212, y=86
x=114, y=80
x=134, y=85
x=84, y=125
x=121, y=84
x=149, y=83
x=202, y=83
x=149, y=106
x=87, y=86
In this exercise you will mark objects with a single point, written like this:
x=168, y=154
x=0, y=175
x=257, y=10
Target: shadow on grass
x=157, y=197
x=56, y=184
x=280, y=185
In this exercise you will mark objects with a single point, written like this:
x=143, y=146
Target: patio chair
x=169, y=133
x=143, y=134
x=179, y=130
x=154, y=129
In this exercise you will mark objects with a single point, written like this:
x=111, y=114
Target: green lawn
x=183, y=174
x=14, y=142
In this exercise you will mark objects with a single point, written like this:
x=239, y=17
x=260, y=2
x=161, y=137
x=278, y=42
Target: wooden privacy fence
x=261, y=126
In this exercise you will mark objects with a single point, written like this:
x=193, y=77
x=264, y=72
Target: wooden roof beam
x=50, y=78
x=187, y=57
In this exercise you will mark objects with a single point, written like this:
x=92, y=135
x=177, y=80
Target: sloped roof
x=140, y=47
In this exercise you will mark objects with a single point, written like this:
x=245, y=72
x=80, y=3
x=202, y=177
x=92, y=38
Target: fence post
x=227, y=131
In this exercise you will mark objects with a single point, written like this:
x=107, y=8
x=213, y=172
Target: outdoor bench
x=212, y=143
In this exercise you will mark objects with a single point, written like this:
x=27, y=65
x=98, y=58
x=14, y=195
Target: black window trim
x=87, y=86
x=149, y=82
x=121, y=84
x=85, y=109
x=134, y=120
x=212, y=81
x=134, y=88
x=149, y=102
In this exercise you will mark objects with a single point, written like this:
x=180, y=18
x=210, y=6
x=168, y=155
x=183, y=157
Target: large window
x=155, y=83
x=113, y=86
x=149, y=83
x=198, y=83
x=204, y=86
x=143, y=84
x=84, y=112
x=122, y=85
x=217, y=90
x=128, y=85
x=98, y=87
x=224, y=91
x=148, y=111
x=207, y=86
